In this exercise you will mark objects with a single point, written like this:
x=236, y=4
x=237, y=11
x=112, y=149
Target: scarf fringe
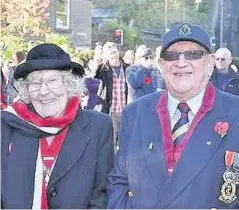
x=37, y=196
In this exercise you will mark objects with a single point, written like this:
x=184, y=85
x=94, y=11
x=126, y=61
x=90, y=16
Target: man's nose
x=182, y=61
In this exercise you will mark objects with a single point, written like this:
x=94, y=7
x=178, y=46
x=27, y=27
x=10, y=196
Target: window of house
x=63, y=14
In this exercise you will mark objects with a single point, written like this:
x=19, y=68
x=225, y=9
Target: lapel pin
x=10, y=147
x=209, y=143
x=151, y=146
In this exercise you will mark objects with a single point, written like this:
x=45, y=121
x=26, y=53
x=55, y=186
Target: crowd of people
x=143, y=130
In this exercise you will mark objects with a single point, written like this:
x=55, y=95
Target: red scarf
x=57, y=122
x=49, y=153
x=3, y=105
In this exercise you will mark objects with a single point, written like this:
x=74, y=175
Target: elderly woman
x=54, y=154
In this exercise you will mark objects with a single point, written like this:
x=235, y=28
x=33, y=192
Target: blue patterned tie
x=181, y=127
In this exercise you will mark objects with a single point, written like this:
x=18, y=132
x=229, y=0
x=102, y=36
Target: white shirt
x=193, y=103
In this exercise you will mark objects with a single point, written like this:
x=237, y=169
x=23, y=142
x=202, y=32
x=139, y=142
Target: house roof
x=103, y=13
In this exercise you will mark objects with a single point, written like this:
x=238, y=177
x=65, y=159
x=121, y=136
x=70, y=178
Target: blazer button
x=130, y=194
x=52, y=192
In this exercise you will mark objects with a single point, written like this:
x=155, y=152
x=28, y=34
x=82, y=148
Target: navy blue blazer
x=79, y=178
x=140, y=177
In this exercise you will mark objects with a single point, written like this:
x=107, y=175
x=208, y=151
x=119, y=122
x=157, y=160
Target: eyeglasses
x=189, y=55
x=148, y=57
x=222, y=59
x=51, y=84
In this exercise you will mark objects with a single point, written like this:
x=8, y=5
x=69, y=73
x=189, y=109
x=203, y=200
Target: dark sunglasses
x=148, y=57
x=222, y=59
x=189, y=55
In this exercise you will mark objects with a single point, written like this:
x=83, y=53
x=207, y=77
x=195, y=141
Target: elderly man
x=224, y=77
x=179, y=148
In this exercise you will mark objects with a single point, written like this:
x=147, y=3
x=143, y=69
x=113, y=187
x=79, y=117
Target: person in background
x=179, y=147
x=158, y=52
x=139, y=77
x=54, y=155
x=112, y=75
x=90, y=98
x=224, y=77
x=128, y=57
x=160, y=81
x=234, y=68
x=3, y=105
x=155, y=71
x=10, y=91
x=138, y=53
x=98, y=55
x=92, y=86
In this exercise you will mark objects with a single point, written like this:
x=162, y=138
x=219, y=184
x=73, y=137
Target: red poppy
x=147, y=80
x=221, y=128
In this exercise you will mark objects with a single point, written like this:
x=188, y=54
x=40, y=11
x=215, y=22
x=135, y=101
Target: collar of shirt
x=193, y=103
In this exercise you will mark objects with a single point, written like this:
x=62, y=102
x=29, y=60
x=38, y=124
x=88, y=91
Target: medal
x=236, y=167
x=236, y=181
x=228, y=175
x=47, y=174
x=228, y=193
x=228, y=189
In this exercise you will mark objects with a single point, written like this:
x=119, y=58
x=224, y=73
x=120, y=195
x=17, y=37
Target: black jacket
x=105, y=73
x=232, y=85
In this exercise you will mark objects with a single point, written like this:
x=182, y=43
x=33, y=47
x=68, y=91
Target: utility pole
x=184, y=11
x=221, y=23
x=166, y=15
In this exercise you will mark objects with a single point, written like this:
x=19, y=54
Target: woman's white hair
x=74, y=84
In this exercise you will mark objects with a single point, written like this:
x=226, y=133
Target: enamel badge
x=228, y=193
x=184, y=30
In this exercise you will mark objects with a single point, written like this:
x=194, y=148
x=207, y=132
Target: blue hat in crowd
x=47, y=56
x=186, y=32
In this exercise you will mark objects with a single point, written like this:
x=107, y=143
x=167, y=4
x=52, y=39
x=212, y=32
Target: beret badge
x=184, y=30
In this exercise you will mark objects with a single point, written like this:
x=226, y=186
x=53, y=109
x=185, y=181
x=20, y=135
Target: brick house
x=72, y=18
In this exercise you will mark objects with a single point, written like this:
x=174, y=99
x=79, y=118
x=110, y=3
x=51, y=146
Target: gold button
x=130, y=194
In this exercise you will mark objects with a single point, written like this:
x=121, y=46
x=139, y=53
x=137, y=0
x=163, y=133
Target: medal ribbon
x=229, y=158
x=236, y=161
x=49, y=155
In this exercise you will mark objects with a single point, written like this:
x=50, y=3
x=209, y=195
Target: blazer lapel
x=72, y=149
x=203, y=143
x=20, y=172
x=153, y=144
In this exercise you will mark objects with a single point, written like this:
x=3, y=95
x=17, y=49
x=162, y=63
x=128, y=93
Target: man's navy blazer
x=140, y=176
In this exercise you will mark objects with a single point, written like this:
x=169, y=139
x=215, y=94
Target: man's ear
x=210, y=64
x=230, y=60
x=159, y=63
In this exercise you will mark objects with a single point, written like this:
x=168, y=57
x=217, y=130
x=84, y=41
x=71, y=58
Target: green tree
x=24, y=18
x=149, y=14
